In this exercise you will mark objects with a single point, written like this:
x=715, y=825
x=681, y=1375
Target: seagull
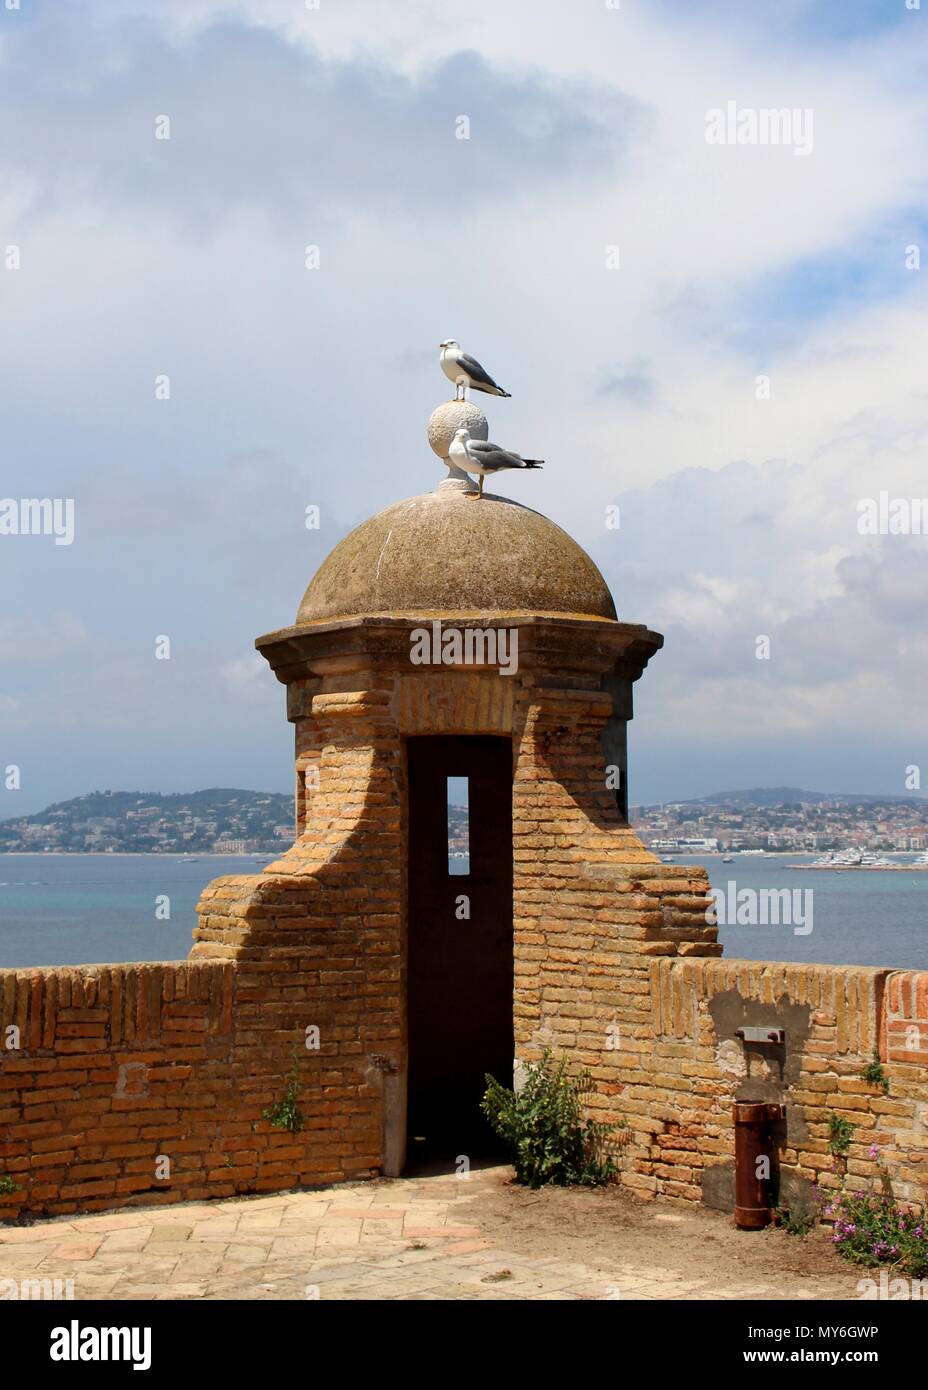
x=480, y=456
x=466, y=371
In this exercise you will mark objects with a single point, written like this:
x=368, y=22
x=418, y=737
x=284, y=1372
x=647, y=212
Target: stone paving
x=404, y=1239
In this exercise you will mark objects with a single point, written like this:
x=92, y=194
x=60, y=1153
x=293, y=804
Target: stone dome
x=442, y=553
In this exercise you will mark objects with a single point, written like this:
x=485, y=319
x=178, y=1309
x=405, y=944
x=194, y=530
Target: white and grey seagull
x=481, y=457
x=464, y=370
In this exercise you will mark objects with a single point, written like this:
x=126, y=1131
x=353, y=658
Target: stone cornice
x=381, y=643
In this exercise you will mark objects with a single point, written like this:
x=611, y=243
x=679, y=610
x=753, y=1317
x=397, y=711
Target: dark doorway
x=460, y=966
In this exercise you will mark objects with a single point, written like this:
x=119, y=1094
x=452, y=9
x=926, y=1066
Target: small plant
x=871, y=1229
x=542, y=1124
x=499, y=1277
x=840, y=1132
x=286, y=1114
x=797, y=1220
x=874, y=1074
x=7, y=1184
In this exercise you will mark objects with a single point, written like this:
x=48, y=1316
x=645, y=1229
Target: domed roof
x=443, y=552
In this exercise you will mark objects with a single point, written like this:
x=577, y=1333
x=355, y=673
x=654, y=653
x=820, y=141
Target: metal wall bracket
x=761, y=1035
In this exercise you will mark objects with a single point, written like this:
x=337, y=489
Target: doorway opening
x=459, y=996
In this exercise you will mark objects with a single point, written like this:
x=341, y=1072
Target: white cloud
x=249, y=679
x=739, y=515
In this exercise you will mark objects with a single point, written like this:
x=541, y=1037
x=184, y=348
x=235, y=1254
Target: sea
x=75, y=909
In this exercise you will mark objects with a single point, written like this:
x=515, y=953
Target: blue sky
x=336, y=128
x=793, y=22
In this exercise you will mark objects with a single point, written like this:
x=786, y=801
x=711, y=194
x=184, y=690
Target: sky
x=725, y=341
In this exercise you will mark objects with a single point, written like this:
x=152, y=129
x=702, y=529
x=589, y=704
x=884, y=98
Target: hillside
x=793, y=796
x=218, y=820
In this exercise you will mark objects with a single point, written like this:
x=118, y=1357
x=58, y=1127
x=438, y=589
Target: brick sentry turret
x=157, y=1083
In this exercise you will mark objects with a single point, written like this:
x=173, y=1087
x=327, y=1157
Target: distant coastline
x=141, y=854
x=861, y=868
x=218, y=820
x=237, y=823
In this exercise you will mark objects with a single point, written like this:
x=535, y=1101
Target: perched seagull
x=482, y=457
x=466, y=371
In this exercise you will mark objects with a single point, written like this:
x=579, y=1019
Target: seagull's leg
x=476, y=496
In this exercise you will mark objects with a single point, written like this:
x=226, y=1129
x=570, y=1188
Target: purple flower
x=873, y=1151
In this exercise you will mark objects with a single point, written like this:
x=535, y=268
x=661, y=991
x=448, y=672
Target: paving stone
x=396, y=1241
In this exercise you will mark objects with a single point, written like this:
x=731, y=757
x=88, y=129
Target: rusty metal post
x=753, y=1141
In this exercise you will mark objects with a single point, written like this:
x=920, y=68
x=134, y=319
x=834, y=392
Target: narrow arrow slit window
x=458, y=825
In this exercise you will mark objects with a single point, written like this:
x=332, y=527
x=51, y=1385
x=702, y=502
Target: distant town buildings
x=216, y=821
x=693, y=827
x=682, y=844
x=244, y=822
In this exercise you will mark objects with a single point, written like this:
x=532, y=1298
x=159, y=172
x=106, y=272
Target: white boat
x=852, y=858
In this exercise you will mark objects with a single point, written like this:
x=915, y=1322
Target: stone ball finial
x=451, y=416
x=443, y=421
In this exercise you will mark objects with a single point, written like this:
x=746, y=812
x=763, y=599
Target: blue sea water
x=85, y=909
x=859, y=916
x=82, y=909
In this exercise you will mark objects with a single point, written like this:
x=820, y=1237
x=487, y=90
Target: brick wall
x=146, y=1083
x=117, y=1068
x=615, y=964
x=678, y=1096
x=904, y=1035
